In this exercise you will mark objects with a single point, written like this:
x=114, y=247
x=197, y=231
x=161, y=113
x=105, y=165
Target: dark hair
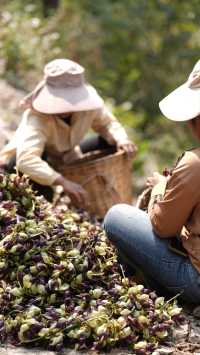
x=194, y=120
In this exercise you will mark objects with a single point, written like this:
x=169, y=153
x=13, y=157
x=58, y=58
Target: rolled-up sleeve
x=107, y=125
x=172, y=212
x=30, y=147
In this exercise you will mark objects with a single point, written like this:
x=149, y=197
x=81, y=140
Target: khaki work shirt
x=60, y=140
x=178, y=212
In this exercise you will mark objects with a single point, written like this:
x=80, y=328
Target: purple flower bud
x=36, y=258
x=8, y=205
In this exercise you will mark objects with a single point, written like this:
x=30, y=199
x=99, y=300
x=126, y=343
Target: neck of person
x=66, y=118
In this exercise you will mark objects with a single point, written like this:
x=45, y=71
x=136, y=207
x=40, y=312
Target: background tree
x=48, y=5
x=135, y=52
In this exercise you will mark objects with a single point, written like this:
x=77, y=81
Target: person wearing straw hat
x=58, y=114
x=164, y=242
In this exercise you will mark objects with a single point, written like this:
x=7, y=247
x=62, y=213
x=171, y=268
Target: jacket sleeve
x=30, y=147
x=107, y=125
x=170, y=213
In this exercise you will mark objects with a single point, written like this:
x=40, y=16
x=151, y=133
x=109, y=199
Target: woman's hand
x=128, y=147
x=76, y=192
x=155, y=179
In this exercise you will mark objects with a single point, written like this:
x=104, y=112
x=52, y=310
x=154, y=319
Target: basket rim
x=82, y=162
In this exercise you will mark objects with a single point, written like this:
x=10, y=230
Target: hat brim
x=182, y=104
x=52, y=100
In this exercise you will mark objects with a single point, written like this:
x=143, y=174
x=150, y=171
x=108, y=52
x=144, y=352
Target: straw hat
x=63, y=89
x=183, y=104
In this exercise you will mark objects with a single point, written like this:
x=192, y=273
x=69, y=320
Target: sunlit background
x=135, y=52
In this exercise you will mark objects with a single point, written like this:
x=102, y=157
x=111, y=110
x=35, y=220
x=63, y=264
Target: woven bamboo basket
x=106, y=176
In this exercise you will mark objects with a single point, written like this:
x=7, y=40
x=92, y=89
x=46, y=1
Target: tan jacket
x=36, y=133
x=178, y=212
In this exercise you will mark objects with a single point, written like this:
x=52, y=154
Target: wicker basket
x=106, y=176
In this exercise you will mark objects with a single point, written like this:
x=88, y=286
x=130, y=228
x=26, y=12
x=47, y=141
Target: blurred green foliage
x=135, y=52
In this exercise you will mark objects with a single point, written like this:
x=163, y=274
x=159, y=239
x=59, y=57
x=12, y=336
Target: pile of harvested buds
x=61, y=285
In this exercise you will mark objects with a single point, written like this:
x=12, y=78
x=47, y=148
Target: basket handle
x=108, y=184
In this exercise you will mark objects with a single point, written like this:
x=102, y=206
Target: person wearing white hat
x=183, y=104
x=58, y=114
x=164, y=241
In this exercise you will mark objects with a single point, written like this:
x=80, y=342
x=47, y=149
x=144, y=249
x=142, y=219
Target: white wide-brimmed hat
x=183, y=104
x=63, y=90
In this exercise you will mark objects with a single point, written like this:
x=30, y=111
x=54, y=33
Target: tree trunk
x=49, y=5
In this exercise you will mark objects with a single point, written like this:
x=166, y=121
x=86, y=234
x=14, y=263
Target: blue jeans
x=130, y=230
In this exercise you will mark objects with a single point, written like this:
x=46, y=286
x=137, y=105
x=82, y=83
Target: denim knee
x=111, y=219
